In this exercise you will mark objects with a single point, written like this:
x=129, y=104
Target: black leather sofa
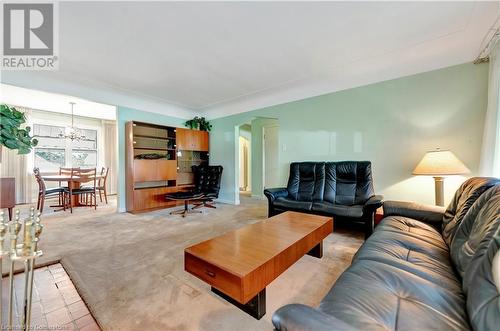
x=424, y=268
x=340, y=189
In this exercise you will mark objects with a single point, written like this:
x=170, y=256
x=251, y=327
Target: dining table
x=74, y=182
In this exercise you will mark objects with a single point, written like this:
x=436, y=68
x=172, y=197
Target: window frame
x=69, y=147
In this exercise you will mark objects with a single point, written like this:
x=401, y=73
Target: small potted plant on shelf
x=198, y=123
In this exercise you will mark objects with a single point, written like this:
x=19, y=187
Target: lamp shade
x=440, y=163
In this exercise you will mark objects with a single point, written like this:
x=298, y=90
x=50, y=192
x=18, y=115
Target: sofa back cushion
x=348, y=182
x=480, y=282
x=464, y=198
x=477, y=225
x=306, y=181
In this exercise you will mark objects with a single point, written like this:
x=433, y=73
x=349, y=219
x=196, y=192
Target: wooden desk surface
x=241, y=263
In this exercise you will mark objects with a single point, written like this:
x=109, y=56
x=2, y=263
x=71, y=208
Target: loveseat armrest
x=275, y=193
x=369, y=208
x=425, y=213
x=297, y=317
x=374, y=203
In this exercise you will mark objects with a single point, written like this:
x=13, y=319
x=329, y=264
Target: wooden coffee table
x=240, y=264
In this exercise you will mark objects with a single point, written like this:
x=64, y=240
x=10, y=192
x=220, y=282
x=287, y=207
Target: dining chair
x=84, y=191
x=70, y=172
x=44, y=193
x=101, y=184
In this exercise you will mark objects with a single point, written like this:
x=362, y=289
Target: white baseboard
x=229, y=202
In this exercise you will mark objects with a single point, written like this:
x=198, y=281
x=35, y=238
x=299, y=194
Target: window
x=53, y=151
x=84, y=152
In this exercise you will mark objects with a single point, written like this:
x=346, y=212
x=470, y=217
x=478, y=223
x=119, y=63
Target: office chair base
x=208, y=204
x=186, y=210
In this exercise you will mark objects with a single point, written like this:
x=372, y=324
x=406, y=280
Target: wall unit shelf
x=154, y=137
x=155, y=149
x=153, y=168
x=153, y=184
x=185, y=160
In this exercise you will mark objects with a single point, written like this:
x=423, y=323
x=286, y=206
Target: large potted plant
x=12, y=134
x=16, y=136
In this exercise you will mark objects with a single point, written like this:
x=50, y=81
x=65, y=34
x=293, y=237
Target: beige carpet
x=129, y=268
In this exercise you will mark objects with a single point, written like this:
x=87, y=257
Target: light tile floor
x=56, y=303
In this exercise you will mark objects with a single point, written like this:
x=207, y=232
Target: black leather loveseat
x=340, y=189
x=424, y=268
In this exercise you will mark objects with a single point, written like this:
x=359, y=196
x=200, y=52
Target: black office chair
x=207, y=181
x=207, y=185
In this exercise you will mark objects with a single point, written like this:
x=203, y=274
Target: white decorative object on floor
x=25, y=251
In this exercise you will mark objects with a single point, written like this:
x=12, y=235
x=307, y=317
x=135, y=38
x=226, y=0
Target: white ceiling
x=56, y=103
x=218, y=58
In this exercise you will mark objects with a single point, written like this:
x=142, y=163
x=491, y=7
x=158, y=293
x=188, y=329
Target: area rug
x=129, y=268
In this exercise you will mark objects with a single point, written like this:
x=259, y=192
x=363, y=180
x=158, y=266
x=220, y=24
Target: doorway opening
x=245, y=159
x=270, y=156
x=257, y=157
x=72, y=133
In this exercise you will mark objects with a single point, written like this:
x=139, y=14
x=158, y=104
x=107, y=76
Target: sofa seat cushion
x=371, y=295
x=290, y=204
x=337, y=210
x=428, y=259
x=409, y=225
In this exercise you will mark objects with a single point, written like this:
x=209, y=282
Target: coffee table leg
x=317, y=251
x=256, y=307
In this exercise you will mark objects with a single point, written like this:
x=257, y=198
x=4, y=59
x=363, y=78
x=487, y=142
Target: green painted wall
x=125, y=115
x=392, y=124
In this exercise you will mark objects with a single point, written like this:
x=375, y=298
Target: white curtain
x=19, y=167
x=490, y=151
x=110, y=156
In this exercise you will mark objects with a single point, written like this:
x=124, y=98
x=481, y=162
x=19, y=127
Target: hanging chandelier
x=70, y=132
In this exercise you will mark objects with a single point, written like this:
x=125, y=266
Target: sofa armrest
x=424, y=213
x=275, y=193
x=369, y=209
x=297, y=317
x=372, y=204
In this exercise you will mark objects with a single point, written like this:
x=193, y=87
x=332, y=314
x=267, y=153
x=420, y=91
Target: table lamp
x=440, y=163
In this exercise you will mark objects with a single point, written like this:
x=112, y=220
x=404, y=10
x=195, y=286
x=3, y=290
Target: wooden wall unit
x=152, y=198
x=193, y=147
x=155, y=170
x=148, y=180
x=193, y=140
